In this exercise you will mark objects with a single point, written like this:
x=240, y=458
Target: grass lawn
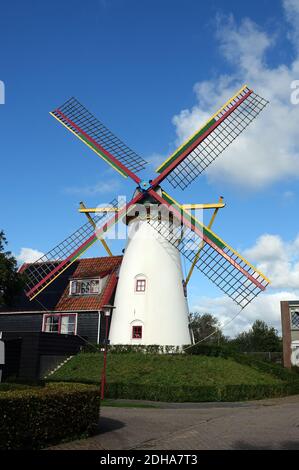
x=150, y=369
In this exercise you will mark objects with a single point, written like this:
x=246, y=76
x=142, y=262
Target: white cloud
x=268, y=151
x=28, y=255
x=279, y=260
x=101, y=187
x=292, y=13
x=265, y=307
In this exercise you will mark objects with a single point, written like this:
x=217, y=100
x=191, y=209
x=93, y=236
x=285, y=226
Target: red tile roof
x=87, y=268
x=96, y=267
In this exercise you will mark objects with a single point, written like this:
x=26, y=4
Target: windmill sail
x=201, y=149
x=77, y=119
x=223, y=265
x=218, y=261
x=52, y=264
x=57, y=260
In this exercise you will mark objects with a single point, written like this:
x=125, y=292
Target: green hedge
x=207, y=349
x=274, y=369
x=157, y=392
x=35, y=417
x=207, y=393
x=135, y=348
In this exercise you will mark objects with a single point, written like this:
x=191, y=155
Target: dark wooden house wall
x=28, y=322
x=87, y=325
x=38, y=352
x=103, y=328
x=12, y=357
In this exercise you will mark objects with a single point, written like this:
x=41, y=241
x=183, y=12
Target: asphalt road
x=266, y=424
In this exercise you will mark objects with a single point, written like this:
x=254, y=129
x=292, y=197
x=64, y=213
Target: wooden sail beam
x=92, y=222
x=220, y=205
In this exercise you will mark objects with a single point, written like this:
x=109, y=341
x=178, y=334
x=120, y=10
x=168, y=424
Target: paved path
x=266, y=424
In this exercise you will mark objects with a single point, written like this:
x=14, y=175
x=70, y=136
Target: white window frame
x=60, y=314
x=85, y=280
x=140, y=278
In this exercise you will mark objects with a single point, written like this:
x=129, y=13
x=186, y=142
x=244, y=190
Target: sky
x=153, y=72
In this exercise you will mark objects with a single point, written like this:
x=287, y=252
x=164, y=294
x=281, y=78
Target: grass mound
x=150, y=369
x=180, y=378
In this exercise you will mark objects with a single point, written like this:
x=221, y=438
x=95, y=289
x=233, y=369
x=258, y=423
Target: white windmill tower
x=150, y=305
x=150, y=302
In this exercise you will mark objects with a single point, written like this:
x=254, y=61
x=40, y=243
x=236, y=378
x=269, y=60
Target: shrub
x=274, y=369
x=35, y=417
x=209, y=393
x=135, y=348
x=275, y=357
x=157, y=392
x=207, y=349
x=245, y=392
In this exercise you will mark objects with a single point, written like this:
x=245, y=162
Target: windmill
x=150, y=302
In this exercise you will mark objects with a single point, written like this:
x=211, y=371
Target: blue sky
x=151, y=70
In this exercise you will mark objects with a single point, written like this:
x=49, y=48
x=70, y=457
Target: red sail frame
x=72, y=257
x=116, y=162
x=179, y=216
x=200, y=139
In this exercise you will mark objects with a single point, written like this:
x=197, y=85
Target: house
x=71, y=304
x=290, y=332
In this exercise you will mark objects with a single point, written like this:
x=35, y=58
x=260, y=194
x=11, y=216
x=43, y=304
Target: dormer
x=92, y=286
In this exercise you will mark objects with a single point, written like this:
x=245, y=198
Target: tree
x=260, y=338
x=203, y=325
x=11, y=282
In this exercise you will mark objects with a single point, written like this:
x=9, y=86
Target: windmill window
x=140, y=285
x=137, y=332
x=85, y=287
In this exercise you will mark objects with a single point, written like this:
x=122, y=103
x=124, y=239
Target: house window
x=137, y=332
x=61, y=323
x=51, y=324
x=295, y=318
x=140, y=285
x=85, y=287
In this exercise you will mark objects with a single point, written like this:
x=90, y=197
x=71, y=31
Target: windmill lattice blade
x=200, y=156
x=93, y=133
x=53, y=263
x=224, y=266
